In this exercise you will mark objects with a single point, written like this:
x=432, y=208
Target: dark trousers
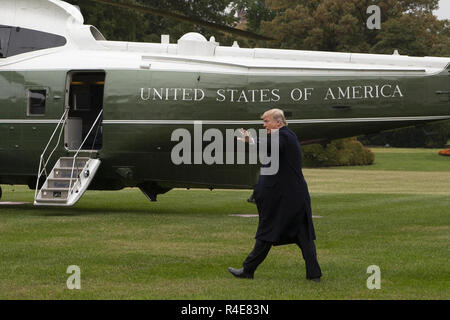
x=262, y=248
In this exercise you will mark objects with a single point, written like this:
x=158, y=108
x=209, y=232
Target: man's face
x=270, y=124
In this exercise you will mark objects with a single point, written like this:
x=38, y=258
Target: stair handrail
x=78, y=151
x=44, y=167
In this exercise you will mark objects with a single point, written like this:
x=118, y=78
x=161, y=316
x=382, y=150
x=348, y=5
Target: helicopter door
x=85, y=101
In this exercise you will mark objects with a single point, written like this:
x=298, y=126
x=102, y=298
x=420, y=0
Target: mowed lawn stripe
x=377, y=181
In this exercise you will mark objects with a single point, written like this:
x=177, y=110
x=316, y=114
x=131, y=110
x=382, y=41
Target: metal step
x=50, y=201
x=68, y=162
x=60, y=182
x=64, y=172
x=56, y=192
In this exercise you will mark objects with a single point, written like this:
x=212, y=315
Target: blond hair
x=275, y=114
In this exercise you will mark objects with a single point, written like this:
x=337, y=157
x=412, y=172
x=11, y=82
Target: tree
x=334, y=25
x=128, y=25
x=254, y=11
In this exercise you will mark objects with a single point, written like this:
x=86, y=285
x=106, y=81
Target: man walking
x=283, y=203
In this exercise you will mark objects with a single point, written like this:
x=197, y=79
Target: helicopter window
x=97, y=34
x=36, y=102
x=4, y=40
x=23, y=40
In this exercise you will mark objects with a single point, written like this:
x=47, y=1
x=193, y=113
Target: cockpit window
x=16, y=40
x=4, y=40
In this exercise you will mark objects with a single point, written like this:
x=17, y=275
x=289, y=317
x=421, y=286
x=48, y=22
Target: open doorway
x=85, y=101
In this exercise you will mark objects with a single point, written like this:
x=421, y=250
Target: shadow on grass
x=132, y=202
x=140, y=208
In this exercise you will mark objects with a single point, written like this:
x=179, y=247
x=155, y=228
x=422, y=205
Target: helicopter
x=80, y=112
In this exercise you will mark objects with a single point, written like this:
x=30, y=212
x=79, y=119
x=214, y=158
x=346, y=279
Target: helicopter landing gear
x=152, y=189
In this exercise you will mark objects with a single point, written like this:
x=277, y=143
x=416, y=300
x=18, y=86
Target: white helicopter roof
x=192, y=50
x=51, y=16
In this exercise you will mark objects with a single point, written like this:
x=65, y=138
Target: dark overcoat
x=283, y=199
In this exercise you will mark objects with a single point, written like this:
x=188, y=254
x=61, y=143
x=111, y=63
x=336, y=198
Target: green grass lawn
x=180, y=247
x=407, y=160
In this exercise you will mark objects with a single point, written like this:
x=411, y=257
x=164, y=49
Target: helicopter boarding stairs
x=70, y=176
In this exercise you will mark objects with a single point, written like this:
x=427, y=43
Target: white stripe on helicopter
x=220, y=122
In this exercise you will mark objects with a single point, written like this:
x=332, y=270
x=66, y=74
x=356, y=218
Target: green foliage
x=255, y=11
x=128, y=25
x=433, y=135
x=342, y=152
x=417, y=34
x=334, y=25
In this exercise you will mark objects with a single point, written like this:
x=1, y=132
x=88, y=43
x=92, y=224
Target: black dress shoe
x=251, y=200
x=240, y=273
